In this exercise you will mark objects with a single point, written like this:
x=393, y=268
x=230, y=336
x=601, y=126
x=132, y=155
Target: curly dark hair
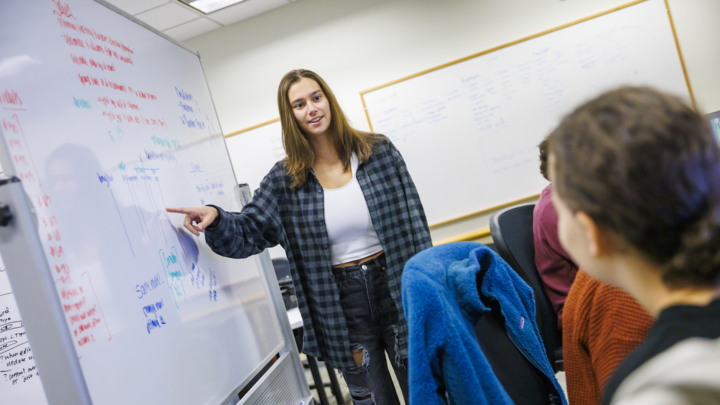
x=543, y=148
x=645, y=166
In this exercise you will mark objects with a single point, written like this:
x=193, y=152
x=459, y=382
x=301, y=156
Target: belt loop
x=344, y=278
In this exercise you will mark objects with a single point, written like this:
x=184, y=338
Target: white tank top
x=347, y=219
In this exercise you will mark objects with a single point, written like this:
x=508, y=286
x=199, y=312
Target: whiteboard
x=19, y=377
x=469, y=131
x=107, y=124
x=255, y=151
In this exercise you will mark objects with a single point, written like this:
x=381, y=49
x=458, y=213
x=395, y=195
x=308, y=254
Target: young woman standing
x=346, y=211
x=636, y=184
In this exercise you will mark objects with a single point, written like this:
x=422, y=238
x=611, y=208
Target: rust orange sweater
x=601, y=326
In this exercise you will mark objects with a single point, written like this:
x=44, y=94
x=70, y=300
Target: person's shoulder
x=583, y=281
x=689, y=371
x=381, y=148
x=280, y=167
x=582, y=291
x=545, y=198
x=544, y=212
x=380, y=142
x=615, y=316
x=587, y=291
x=279, y=174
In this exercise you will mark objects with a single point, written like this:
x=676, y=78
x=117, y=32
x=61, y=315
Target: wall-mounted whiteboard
x=108, y=123
x=469, y=130
x=255, y=151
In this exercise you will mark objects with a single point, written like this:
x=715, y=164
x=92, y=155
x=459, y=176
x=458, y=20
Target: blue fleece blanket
x=442, y=305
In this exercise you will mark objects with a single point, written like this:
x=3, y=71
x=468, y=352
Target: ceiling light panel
x=208, y=6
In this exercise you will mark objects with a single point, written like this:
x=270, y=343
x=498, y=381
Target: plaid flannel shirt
x=295, y=219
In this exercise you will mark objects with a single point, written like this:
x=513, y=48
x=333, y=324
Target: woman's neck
x=643, y=281
x=324, y=149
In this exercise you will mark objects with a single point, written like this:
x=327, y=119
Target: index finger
x=180, y=210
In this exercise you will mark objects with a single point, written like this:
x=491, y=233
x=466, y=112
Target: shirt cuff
x=218, y=220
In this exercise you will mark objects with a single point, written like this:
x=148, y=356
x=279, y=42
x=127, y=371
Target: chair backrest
x=522, y=381
x=512, y=232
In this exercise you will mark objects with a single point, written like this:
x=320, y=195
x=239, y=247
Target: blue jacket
x=442, y=305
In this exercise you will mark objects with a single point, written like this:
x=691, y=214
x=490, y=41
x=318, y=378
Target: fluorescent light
x=209, y=6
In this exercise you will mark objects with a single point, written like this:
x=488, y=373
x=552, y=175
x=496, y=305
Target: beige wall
x=359, y=44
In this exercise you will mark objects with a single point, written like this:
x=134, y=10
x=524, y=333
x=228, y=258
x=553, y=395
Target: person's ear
x=599, y=242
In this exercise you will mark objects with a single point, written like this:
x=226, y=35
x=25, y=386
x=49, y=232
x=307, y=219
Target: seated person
x=602, y=326
x=554, y=265
x=636, y=185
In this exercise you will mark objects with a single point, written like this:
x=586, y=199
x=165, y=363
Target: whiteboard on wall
x=107, y=123
x=469, y=130
x=255, y=151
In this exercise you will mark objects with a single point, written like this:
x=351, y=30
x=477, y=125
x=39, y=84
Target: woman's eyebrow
x=301, y=98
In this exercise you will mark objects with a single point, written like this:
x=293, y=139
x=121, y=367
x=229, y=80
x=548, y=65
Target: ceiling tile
x=136, y=6
x=192, y=29
x=167, y=16
x=246, y=9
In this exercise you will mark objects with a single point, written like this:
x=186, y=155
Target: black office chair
x=525, y=384
x=512, y=232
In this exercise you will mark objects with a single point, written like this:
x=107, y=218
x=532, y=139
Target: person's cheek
x=563, y=232
x=568, y=235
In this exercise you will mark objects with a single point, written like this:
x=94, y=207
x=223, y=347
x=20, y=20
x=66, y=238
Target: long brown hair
x=645, y=166
x=300, y=155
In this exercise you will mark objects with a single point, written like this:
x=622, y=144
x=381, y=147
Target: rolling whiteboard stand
x=243, y=193
x=272, y=387
x=43, y=318
x=97, y=336
x=63, y=380
x=275, y=386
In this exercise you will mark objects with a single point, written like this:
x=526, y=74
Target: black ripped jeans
x=371, y=320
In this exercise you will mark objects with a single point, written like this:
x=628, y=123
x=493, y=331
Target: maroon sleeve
x=556, y=268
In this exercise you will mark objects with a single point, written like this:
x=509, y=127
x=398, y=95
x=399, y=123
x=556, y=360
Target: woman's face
x=310, y=107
